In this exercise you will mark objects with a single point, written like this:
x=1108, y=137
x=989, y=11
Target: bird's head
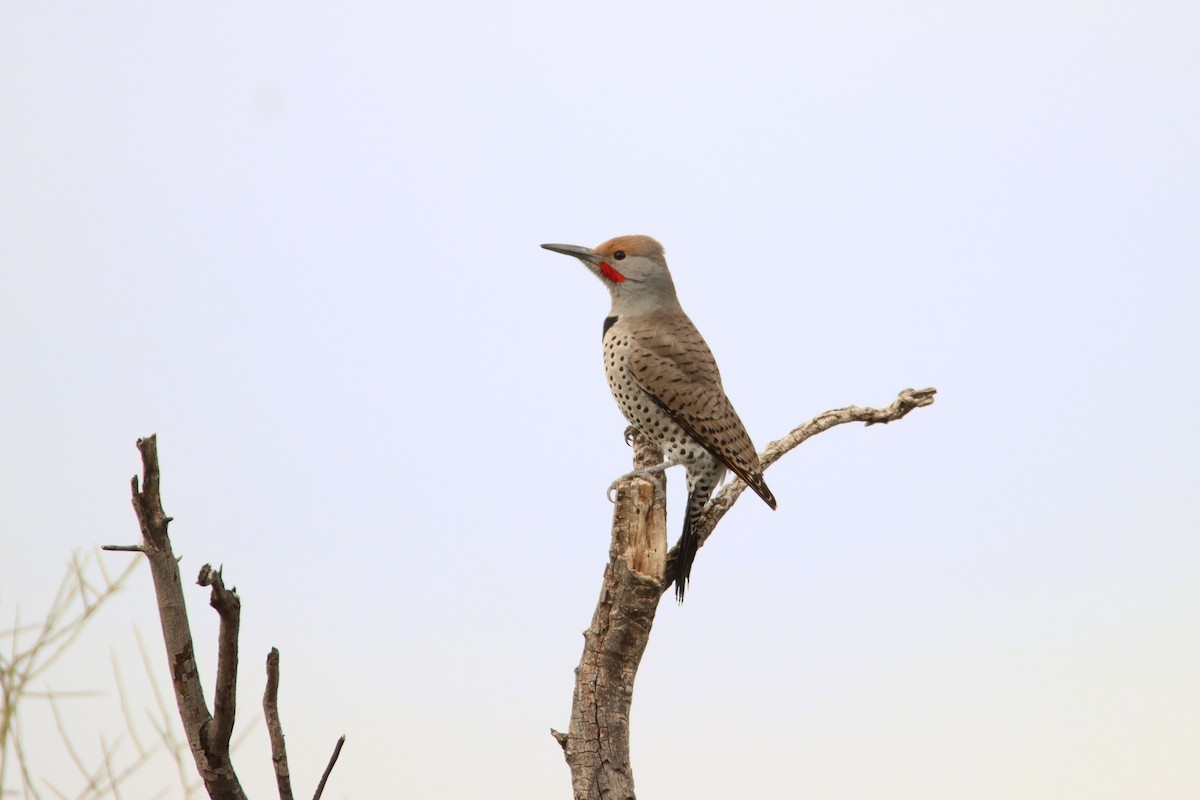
x=632, y=267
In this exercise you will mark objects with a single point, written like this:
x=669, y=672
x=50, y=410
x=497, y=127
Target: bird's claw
x=629, y=433
x=647, y=474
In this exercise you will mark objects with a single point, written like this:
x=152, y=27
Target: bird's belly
x=657, y=425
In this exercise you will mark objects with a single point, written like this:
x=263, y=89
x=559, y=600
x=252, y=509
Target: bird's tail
x=689, y=542
x=755, y=481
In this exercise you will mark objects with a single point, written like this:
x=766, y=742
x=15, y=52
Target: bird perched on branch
x=665, y=380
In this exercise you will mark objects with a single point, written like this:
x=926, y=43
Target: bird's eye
x=619, y=255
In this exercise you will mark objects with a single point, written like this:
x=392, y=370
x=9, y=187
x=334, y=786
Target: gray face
x=633, y=268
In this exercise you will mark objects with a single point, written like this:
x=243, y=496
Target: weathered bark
x=597, y=743
x=229, y=609
x=209, y=742
x=283, y=778
x=208, y=735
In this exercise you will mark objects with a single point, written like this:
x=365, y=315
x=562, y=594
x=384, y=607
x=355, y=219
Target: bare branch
x=67, y=743
x=275, y=728
x=597, y=744
x=337, y=751
x=125, y=711
x=724, y=499
x=22, y=664
x=209, y=743
x=229, y=608
x=208, y=735
x=81, y=582
x=23, y=764
x=56, y=633
x=114, y=783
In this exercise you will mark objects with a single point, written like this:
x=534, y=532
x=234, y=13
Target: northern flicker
x=665, y=380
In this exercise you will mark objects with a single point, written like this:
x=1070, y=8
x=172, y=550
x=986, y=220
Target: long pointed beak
x=585, y=254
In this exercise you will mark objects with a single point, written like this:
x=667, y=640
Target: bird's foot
x=647, y=473
x=629, y=432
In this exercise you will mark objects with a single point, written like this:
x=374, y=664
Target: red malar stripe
x=611, y=273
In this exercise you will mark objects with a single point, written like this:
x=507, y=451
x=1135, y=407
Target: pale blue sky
x=301, y=245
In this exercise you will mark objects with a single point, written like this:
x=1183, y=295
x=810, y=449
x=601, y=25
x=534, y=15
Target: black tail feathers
x=760, y=488
x=688, y=544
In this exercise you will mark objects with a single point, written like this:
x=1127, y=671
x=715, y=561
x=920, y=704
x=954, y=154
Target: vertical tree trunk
x=597, y=745
x=209, y=742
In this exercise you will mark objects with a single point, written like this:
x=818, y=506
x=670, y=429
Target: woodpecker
x=665, y=380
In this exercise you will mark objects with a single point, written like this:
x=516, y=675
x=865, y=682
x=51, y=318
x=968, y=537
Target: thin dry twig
x=114, y=785
x=27, y=780
x=337, y=750
x=123, y=696
x=724, y=499
x=56, y=634
x=76, y=601
x=67, y=743
x=275, y=728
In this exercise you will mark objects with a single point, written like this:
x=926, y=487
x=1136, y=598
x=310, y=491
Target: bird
x=666, y=382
